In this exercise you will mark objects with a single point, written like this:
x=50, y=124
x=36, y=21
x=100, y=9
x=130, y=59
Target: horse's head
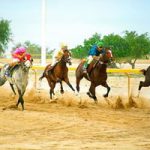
x=67, y=57
x=28, y=63
x=107, y=56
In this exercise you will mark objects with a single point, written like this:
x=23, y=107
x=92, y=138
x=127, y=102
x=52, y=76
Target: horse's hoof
x=88, y=93
x=105, y=95
x=53, y=101
x=62, y=92
x=96, y=101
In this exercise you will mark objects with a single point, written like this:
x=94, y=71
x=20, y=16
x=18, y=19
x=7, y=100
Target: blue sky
x=71, y=21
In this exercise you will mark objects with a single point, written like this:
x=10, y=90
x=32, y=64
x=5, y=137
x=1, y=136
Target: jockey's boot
x=9, y=67
x=7, y=71
x=85, y=72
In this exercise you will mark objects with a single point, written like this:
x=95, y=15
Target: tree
x=88, y=43
x=138, y=46
x=126, y=48
x=5, y=34
x=81, y=51
x=118, y=45
x=33, y=49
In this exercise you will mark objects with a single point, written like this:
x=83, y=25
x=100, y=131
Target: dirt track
x=68, y=125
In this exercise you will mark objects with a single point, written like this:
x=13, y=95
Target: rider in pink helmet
x=19, y=55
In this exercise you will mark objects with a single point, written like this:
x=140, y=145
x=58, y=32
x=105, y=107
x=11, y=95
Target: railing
x=127, y=72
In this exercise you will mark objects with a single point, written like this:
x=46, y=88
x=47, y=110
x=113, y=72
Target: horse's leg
x=22, y=102
x=108, y=89
x=91, y=92
x=143, y=84
x=18, y=102
x=12, y=87
x=61, y=87
x=52, y=86
x=69, y=84
x=78, y=79
x=20, y=99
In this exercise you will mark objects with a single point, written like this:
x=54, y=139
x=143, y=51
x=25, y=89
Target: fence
x=126, y=72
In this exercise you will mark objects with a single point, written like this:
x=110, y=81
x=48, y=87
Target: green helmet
x=100, y=44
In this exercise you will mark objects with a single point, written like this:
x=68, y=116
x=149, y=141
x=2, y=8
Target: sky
x=72, y=21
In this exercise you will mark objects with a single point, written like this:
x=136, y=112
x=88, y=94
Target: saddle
x=50, y=68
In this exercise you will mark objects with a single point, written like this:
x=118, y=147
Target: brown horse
x=58, y=73
x=97, y=74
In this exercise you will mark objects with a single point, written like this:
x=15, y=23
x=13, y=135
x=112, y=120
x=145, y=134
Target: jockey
x=19, y=55
x=95, y=51
x=58, y=54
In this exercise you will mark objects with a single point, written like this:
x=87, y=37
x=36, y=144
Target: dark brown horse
x=97, y=74
x=58, y=73
x=145, y=83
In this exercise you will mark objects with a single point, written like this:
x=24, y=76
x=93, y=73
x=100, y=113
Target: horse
x=97, y=74
x=2, y=78
x=145, y=83
x=19, y=79
x=58, y=73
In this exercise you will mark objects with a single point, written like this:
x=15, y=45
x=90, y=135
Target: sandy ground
x=67, y=124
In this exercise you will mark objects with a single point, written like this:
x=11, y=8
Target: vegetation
x=5, y=34
x=126, y=48
x=33, y=49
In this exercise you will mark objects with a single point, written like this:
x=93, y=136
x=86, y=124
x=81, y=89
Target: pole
x=43, y=33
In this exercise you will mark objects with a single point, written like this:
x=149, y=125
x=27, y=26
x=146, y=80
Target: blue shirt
x=94, y=52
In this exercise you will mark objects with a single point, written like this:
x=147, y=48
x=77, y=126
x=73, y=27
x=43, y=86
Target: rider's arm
x=58, y=55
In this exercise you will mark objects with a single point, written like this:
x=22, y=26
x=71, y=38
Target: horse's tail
x=43, y=75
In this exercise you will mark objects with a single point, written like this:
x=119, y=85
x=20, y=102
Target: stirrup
x=7, y=74
x=88, y=76
x=85, y=71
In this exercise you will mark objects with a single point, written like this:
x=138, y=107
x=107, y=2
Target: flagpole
x=43, y=33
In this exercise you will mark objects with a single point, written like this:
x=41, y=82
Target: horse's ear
x=66, y=50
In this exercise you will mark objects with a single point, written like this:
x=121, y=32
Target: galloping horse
x=58, y=73
x=146, y=83
x=19, y=79
x=97, y=75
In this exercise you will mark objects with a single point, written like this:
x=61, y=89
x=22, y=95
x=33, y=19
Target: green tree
x=118, y=45
x=88, y=43
x=5, y=35
x=78, y=52
x=33, y=49
x=138, y=46
x=81, y=51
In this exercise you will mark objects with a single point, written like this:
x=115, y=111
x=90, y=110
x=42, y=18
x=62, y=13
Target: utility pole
x=43, y=33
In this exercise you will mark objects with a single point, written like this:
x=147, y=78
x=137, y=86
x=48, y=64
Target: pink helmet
x=21, y=49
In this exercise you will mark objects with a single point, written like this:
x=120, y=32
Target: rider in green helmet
x=95, y=51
